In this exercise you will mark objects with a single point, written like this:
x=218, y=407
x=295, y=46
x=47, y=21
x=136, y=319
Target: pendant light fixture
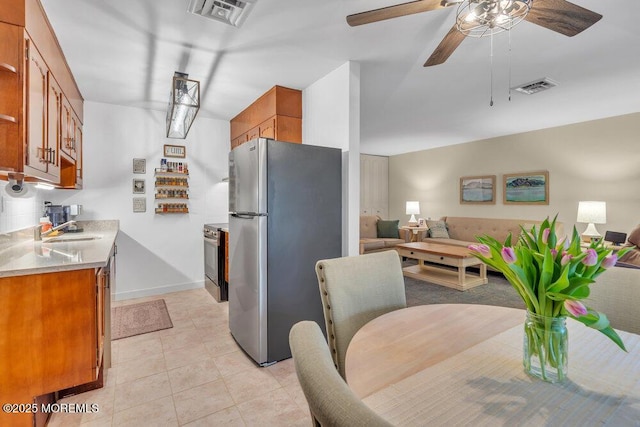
x=183, y=105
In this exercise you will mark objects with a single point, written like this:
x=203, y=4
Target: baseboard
x=161, y=290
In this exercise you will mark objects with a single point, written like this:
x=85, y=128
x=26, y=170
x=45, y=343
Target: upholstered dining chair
x=355, y=290
x=331, y=401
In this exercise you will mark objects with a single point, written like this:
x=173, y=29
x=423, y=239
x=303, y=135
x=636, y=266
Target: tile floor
x=193, y=374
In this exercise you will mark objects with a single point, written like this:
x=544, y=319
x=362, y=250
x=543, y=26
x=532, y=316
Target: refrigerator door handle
x=245, y=216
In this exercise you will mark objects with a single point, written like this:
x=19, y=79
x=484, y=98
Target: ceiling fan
x=477, y=18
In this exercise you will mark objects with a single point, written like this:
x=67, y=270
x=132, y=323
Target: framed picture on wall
x=139, y=204
x=139, y=166
x=138, y=186
x=478, y=190
x=530, y=188
x=179, y=151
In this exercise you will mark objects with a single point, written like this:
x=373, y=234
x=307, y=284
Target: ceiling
x=125, y=52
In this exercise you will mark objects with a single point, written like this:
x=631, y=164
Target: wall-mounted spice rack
x=172, y=185
x=172, y=208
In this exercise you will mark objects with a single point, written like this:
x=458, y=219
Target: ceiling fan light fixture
x=479, y=18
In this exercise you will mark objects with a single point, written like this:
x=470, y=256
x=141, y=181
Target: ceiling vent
x=232, y=12
x=535, y=86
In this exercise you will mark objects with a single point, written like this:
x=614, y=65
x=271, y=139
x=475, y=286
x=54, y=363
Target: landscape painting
x=478, y=189
x=526, y=188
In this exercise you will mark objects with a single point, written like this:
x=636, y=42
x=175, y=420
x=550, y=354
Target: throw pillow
x=388, y=229
x=634, y=237
x=438, y=229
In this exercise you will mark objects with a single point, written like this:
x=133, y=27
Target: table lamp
x=592, y=213
x=413, y=209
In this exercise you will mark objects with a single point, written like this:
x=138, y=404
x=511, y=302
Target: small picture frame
x=422, y=222
x=139, y=186
x=139, y=204
x=139, y=166
x=175, y=151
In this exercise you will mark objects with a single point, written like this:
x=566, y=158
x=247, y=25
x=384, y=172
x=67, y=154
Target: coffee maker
x=59, y=214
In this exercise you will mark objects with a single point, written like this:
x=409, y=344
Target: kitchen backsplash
x=21, y=212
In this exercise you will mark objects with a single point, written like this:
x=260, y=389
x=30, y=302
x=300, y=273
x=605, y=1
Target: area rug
x=137, y=319
x=497, y=292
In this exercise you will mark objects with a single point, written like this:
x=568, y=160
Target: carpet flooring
x=497, y=292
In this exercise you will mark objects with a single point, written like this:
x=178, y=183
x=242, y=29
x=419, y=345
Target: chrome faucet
x=39, y=234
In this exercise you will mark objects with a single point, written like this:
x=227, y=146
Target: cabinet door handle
x=40, y=152
x=7, y=67
x=8, y=118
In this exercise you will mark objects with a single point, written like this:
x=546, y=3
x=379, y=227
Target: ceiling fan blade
x=561, y=16
x=395, y=11
x=449, y=43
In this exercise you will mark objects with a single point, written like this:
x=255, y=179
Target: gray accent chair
x=355, y=290
x=331, y=401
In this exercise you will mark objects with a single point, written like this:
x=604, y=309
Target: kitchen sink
x=70, y=239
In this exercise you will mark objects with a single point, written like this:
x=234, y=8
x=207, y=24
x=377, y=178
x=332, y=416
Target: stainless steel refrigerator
x=285, y=203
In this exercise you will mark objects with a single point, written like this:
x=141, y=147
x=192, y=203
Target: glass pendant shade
x=183, y=105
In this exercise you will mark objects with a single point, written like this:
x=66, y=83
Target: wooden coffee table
x=438, y=256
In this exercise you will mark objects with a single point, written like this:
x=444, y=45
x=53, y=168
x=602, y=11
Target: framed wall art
x=175, y=151
x=530, y=188
x=139, y=166
x=478, y=190
x=139, y=204
x=138, y=186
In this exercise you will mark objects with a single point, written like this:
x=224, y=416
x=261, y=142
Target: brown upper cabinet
x=41, y=108
x=277, y=114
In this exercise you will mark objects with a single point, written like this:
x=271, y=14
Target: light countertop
x=20, y=255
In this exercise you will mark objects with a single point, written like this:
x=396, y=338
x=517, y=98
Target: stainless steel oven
x=214, y=262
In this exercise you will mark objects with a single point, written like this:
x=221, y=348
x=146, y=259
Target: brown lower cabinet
x=54, y=335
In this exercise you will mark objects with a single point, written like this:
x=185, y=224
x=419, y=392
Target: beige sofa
x=616, y=293
x=369, y=240
x=463, y=230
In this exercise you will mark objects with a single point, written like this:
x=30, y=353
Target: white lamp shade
x=413, y=208
x=592, y=212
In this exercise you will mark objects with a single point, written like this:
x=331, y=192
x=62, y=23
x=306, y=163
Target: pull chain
x=509, y=55
x=491, y=56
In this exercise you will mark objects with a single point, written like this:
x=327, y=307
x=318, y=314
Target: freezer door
x=248, y=177
x=248, y=284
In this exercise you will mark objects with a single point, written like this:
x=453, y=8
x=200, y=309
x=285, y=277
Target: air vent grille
x=535, y=86
x=232, y=12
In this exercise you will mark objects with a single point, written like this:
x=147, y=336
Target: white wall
x=156, y=253
x=595, y=160
x=331, y=118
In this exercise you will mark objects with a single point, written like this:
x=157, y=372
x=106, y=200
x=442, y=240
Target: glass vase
x=546, y=348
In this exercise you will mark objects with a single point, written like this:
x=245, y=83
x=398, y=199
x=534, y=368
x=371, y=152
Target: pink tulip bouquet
x=552, y=276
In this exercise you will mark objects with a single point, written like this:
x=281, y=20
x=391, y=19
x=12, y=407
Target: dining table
x=461, y=364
